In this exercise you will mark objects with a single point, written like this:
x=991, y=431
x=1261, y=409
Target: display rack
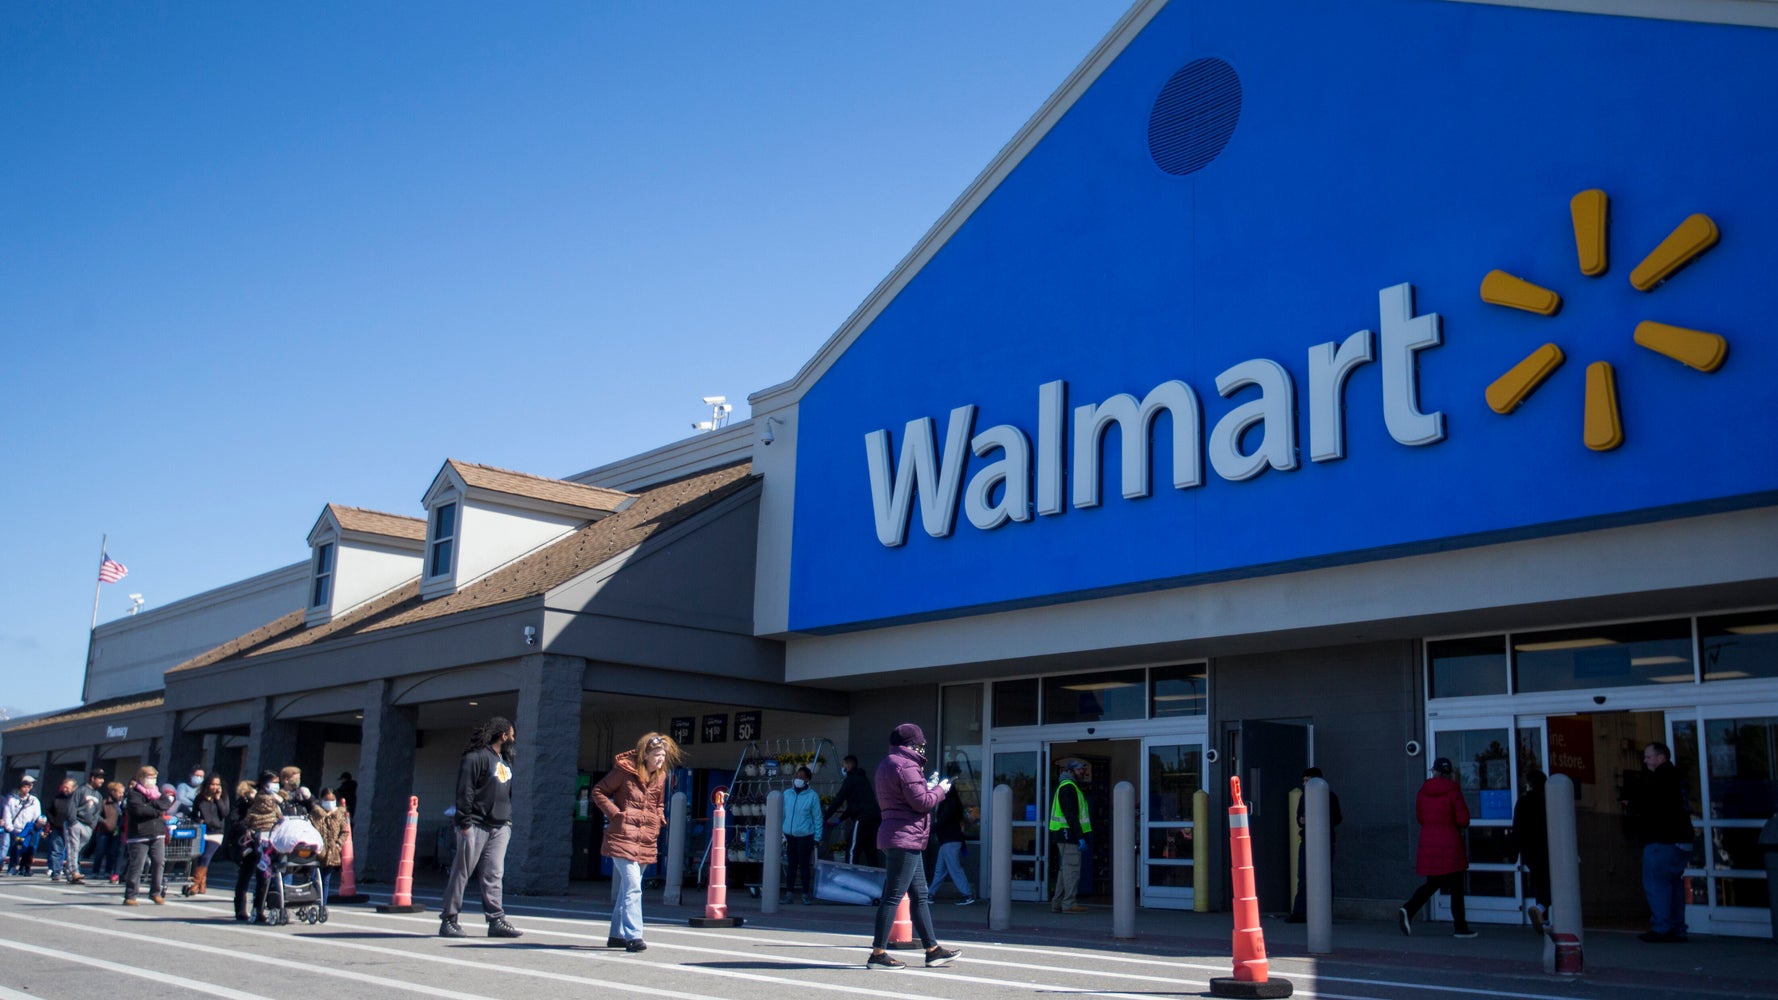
x=766, y=766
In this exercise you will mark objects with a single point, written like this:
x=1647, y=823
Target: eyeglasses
x=656, y=742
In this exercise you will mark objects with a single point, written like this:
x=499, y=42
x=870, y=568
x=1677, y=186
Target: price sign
x=684, y=728
x=715, y=729
x=746, y=726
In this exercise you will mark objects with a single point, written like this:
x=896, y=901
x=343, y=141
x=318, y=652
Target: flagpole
x=103, y=538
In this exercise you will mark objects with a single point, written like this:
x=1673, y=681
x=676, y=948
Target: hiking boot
x=449, y=928
x=939, y=956
x=499, y=928
x=158, y=900
x=884, y=961
x=131, y=902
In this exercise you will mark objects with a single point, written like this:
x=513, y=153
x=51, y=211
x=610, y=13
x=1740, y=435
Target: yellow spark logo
x=1603, y=428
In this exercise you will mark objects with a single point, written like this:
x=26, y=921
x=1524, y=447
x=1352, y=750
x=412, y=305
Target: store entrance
x=1602, y=753
x=1112, y=761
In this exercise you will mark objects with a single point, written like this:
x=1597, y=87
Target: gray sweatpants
x=74, y=836
x=488, y=846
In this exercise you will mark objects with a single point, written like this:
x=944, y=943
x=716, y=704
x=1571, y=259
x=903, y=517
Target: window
x=323, y=575
x=1097, y=697
x=1015, y=702
x=1467, y=666
x=1178, y=690
x=444, y=536
x=1604, y=656
x=1740, y=646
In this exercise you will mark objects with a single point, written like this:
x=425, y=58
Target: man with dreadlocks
x=484, y=823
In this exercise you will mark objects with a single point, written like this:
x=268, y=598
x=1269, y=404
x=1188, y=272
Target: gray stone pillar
x=271, y=742
x=178, y=750
x=385, y=774
x=545, y=763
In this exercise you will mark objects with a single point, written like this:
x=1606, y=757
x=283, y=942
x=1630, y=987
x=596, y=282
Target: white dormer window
x=444, y=537
x=322, y=588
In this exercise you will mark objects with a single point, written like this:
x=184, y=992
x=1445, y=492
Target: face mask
x=195, y=780
x=800, y=783
x=272, y=786
x=328, y=804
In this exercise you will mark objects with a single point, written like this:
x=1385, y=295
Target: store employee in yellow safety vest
x=1069, y=826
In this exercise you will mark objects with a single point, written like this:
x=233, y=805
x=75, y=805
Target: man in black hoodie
x=855, y=806
x=483, y=817
x=1663, y=821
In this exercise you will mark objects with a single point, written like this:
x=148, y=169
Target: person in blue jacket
x=802, y=824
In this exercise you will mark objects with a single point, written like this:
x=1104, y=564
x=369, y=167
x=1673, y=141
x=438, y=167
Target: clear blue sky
x=255, y=259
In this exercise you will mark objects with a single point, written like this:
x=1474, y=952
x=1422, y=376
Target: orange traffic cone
x=403, y=900
x=716, y=896
x=1250, y=978
x=901, y=933
x=348, y=878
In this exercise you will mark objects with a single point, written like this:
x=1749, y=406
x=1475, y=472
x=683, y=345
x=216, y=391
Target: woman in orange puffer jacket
x=632, y=796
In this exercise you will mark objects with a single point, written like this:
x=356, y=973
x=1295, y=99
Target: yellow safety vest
x=1058, y=820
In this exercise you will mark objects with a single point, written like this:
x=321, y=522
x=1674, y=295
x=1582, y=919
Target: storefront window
x=1484, y=770
x=1096, y=697
x=1603, y=656
x=1743, y=784
x=1463, y=667
x=1178, y=690
x=960, y=740
x=1737, y=647
x=1015, y=702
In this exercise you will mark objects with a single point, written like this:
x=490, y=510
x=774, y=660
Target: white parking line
x=99, y=963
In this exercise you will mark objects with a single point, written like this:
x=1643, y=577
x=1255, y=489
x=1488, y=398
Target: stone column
x=545, y=763
x=271, y=742
x=178, y=750
x=385, y=774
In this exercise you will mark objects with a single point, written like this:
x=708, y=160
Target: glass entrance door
x=1483, y=753
x=1021, y=767
x=1172, y=772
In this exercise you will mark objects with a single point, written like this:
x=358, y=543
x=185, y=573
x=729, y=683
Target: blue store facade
x=1346, y=384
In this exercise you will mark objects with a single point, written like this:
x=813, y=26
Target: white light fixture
x=1765, y=629
x=1550, y=647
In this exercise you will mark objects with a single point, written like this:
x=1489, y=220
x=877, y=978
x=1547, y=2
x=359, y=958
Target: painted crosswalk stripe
x=98, y=963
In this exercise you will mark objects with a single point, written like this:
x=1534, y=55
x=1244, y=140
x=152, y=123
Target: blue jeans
x=626, y=910
x=57, y=857
x=950, y=865
x=905, y=876
x=6, y=849
x=1663, y=881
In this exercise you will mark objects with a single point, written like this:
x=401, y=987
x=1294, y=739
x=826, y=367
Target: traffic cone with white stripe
x=901, y=933
x=1250, y=979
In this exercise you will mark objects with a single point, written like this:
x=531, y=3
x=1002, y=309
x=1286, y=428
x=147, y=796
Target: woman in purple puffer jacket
x=906, y=797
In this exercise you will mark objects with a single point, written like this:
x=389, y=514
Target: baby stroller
x=290, y=863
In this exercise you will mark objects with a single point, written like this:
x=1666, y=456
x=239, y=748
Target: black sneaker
x=884, y=961
x=615, y=942
x=499, y=928
x=1465, y=933
x=449, y=928
x=635, y=944
x=940, y=956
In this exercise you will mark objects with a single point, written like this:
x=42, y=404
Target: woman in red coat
x=632, y=796
x=1443, y=817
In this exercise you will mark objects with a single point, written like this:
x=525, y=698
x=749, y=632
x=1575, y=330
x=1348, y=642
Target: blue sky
x=258, y=259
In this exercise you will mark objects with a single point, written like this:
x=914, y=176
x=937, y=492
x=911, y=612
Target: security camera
x=530, y=635
x=1210, y=756
x=1413, y=748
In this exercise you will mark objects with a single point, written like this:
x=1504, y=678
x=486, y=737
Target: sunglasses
x=656, y=742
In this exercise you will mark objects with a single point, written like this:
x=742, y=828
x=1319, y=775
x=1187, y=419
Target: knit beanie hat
x=907, y=735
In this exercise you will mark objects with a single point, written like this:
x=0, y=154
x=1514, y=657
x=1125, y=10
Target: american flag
x=111, y=571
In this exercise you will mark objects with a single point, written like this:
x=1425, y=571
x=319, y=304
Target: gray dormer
x=479, y=518
x=357, y=555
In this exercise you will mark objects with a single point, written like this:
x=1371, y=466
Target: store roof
x=111, y=706
x=375, y=522
x=486, y=477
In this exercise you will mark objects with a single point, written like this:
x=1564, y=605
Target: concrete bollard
x=1000, y=844
x=1318, y=858
x=1562, y=949
x=773, y=874
x=674, y=889
x=1200, y=851
x=1123, y=861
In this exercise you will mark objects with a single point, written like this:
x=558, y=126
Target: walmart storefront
x=1349, y=384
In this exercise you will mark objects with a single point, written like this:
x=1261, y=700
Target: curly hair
x=487, y=734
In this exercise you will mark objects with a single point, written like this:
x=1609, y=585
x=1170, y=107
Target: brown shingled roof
x=98, y=709
x=375, y=522
x=523, y=484
x=655, y=509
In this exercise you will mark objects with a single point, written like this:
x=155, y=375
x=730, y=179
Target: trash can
x=1768, y=839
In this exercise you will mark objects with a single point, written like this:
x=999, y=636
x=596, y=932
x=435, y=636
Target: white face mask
x=272, y=786
x=195, y=780
x=328, y=804
x=800, y=783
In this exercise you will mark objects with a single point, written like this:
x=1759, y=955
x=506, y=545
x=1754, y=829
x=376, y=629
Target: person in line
x=1443, y=817
x=108, y=834
x=1070, y=824
x=905, y=799
x=330, y=821
x=947, y=829
x=83, y=815
x=145, y=809
x=186, y=792
x=633, y=795
x=1662, y=819
x=209, y=807
x=18, y=826
x=55, y=819
x=1299, y=909
x=262, y=813
x=1530, y=843
x=855, y=806
x=483, y=820
x=802, y=824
